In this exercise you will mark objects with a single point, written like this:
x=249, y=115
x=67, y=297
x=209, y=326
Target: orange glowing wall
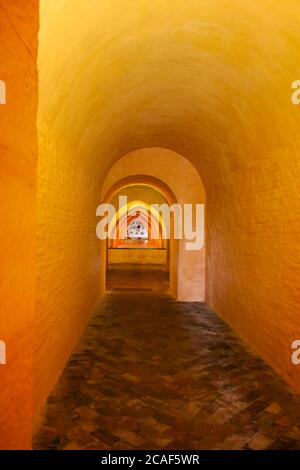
x=18, y=156
x=68, y=264
x=253, y=261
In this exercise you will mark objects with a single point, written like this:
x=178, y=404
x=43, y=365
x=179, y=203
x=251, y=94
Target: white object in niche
x=2, y=353
x=2, y=92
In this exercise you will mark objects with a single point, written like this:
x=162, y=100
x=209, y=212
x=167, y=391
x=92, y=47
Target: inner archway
x=138, y=256
x=179, y=182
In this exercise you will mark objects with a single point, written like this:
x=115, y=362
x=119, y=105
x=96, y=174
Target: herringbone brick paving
x=153, y=373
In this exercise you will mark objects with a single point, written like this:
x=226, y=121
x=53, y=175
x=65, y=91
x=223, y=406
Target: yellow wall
x=68, y=264
x=253, y=260
x=210, y=80
x=18, y=154
x=137, y=256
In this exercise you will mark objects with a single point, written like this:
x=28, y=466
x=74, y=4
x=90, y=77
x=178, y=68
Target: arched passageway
x=152, y=167
x=137, y=254
x=182, y=92
x=179, y=182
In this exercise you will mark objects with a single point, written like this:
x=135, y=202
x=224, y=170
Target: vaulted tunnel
x=194, y=94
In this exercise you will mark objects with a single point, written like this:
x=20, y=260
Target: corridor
x=153, y=373
x=149, y=167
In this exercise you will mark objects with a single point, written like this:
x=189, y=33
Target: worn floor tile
x=153, y=373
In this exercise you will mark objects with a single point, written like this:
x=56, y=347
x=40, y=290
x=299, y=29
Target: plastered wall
x=18, y=155
x=137, y=256
x=68, y=263
x=253, y=259
x=210, y=80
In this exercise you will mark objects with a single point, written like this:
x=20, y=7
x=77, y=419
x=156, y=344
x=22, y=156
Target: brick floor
x=153, y=373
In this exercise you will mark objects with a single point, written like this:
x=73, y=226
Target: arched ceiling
x=210, y=79
x=141, y=192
